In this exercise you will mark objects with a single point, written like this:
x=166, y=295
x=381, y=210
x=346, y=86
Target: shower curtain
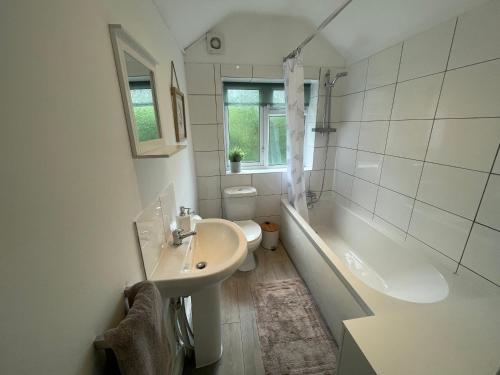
x=294, y=96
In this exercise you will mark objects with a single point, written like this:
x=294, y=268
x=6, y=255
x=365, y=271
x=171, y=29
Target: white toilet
x=239, y=206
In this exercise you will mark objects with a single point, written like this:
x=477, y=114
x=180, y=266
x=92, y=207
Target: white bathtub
x=339, y=248
x=379, y=261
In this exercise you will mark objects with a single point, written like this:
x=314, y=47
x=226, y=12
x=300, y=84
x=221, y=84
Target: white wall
x=70, y=189
x=262, y=39
x=418, y=137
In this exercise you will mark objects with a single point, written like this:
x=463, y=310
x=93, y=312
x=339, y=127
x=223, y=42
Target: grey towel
x=140, y=341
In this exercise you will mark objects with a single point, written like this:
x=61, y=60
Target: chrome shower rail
x=318, y=29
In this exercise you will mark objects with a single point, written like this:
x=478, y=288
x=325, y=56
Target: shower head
x=329, y=83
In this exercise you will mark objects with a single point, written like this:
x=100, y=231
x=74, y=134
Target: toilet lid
x=250, y=228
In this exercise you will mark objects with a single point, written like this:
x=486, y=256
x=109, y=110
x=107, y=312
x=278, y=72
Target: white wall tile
x=355, y=80
x=452, y=189
x=443, y=231
x=208, y=187
x=383, y=67
x=427, y=52
x=389, y=229
x=346, y=136
x=401, y=175
x=236, y=70
x=267, y=183
x=200, y=79
x=467, y=143
x=347, y=108
x=361, y=211
x=231, y=180
x=409, y=138
x=205, y=137
x=222, y=163
x=378, y=103
x=315, y=180
x=330, y=157
x=210, y=208
x=207, y=163
x=221, y=137
x=477, y=36
x=268, y=205
x=364, y=194
x=373, y=135
x=489, y=212
x=417, y=99
x=219, y=109
x=218, y=80
x=319, y=158
x=473, y=91
x=202, y=109
x=345, y=160
x=394, y=207
x=482, y=254
x=368, y=166
x=320, y=140
x=342, y=183
x=268, y=71
x=496, y=167
x=328, y=184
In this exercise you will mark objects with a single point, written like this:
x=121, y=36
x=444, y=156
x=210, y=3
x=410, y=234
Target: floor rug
x=293, y=337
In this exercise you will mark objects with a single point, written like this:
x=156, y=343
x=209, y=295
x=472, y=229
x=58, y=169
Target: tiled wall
x=418, y=137
x=206, y=112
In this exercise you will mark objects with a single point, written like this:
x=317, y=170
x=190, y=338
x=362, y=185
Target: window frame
x=264, y=112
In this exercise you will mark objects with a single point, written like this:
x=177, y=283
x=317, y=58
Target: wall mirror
x=136, y=74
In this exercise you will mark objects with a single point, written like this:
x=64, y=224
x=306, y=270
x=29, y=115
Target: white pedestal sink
x=222, y=247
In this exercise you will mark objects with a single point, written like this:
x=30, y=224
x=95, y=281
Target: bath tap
x=178, y=235
x=310, y=198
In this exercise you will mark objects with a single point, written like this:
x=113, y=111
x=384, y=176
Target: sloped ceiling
x=363, y=28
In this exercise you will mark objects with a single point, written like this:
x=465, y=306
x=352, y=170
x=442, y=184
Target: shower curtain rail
x=319, y=28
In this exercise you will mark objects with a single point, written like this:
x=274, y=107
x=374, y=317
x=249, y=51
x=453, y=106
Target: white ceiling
x=363, y=28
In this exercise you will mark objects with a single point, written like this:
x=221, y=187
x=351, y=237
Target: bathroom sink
x=209, y=257
x=196, y=268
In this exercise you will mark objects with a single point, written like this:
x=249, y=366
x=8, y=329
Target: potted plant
x=236, y=155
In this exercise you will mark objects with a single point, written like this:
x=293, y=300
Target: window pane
x=279, y=98
x=144, y=114
x=244, y=130
x=241, y=96
x=277, y=140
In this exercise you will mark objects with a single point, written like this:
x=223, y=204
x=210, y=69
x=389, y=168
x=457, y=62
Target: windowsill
x=262, y=170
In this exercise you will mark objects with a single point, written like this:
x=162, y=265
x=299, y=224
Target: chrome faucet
x=178, y=235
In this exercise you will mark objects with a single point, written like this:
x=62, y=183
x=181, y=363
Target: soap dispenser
x=184, y=219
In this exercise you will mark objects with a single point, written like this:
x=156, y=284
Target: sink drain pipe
x=183, y=331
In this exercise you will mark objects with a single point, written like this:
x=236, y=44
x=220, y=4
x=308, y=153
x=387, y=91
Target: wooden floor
x=241, y=353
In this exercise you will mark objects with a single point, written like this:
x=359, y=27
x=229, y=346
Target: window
x=255, y=120
x=144, y=110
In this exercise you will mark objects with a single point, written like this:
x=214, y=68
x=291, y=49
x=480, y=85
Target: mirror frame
x=123, y=43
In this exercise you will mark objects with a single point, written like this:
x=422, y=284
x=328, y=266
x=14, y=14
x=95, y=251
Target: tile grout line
x=418, y=200
x=478, y=208
x=433, y=122
x=361, y=117
x=388, y=128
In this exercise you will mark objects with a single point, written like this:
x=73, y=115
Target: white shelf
x=165, y=151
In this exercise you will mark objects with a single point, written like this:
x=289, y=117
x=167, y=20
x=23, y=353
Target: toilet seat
x=253, y=233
